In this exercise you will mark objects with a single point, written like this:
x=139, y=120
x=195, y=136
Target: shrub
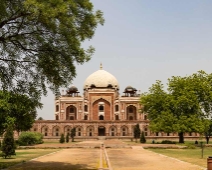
x=62, y=138
x=73, y=134
x=8, y=143
x=137, y=132
x=30, y=138
x=168, y=142
x=142, y=139
x=67, y=138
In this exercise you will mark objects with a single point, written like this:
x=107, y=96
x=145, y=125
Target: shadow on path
x=36, y=165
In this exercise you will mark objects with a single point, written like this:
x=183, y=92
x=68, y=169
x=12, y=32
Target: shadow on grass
x=35, y=165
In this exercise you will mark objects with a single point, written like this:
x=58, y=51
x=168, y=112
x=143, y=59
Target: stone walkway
x=108, y=154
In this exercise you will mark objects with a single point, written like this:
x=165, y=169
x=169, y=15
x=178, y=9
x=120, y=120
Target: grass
x=23, y=156
x=160, y=140
x=188, y=155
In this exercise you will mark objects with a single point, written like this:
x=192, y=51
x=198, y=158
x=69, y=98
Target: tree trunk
x=181, y=137
x=207, y=139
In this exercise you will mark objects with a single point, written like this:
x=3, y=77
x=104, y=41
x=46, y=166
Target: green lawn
x=23, y=156
x=189, y=155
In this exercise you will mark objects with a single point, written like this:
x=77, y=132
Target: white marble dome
x=101, y=78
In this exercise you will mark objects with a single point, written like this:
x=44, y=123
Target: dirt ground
x=121, y=157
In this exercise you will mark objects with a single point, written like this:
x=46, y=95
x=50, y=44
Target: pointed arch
x=101, y=107
x=79, y=131
x=45, y=130
x=113, y=130
x=71, y=113
x=90, y=131
x=56, y=131
x=67, y=130
x=131, y=112
x=124, y=131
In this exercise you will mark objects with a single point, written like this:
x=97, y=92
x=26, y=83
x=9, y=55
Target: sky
x=146, y=40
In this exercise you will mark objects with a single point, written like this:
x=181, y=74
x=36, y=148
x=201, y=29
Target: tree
x=17, y=109
x=183, y=107
x=67, y=137
x=142, y=139
x=137, y=132
x=8, y=144
x=208, y=132
x=62, y=138
x=40, y=43
x=73, y=134
x=40, y=118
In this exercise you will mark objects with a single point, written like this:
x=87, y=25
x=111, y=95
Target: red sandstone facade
x=101, y=111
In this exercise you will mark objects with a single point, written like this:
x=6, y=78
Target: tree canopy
x=17, y=110
x=183, y=107
x=41, y=41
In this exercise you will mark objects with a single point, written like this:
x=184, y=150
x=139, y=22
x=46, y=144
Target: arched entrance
x=101, y=131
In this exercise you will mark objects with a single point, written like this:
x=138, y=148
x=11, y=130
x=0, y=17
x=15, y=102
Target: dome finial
x=100, y=66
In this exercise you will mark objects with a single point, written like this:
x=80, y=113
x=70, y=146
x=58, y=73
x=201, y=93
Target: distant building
x=101, y=111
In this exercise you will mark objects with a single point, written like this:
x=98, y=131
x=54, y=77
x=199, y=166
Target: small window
x=101, y=108
x=56, y=117
x=35, y=129
x=79, y=132
x=57, y=108
x=57, y=132
x=117, y=117
x=101, y=117
x=190, y=134
x=85, y=108
x=45, y=132
x=157, y=133
x=167, y=134
x=85, y=117
x=145, y=117
x=117, y=108
x=71, y=117
x=130, y=110
x=131, y=118
x=145, y=133
x=71, y=110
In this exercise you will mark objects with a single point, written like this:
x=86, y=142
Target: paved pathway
x=114, y=153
